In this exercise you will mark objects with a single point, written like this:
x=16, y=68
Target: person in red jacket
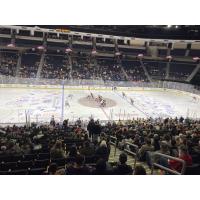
x=183, y=154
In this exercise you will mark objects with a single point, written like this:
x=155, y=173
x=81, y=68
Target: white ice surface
x=42, y=104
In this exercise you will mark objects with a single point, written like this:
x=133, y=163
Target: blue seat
x=30, y=157
x=36, y=171
x=41, y=163
x=18, y=172
x=24, y=165
x=8, y=166
x=59, y=162
x=193, y=170
x=42, y=156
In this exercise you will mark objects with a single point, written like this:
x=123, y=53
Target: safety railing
x=132, y=150
x=129, y=148
x=159, y=166
x=113, y=141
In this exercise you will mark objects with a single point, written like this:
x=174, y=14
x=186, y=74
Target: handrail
x=114, y=143
x=131, y=152
x=166, y=168
x=134, y=154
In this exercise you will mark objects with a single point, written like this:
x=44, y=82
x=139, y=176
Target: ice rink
x=41, y=104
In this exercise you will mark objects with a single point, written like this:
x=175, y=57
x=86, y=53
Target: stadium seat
x=36, y=171
x=30, y=157
x=2, y=158
x=196, y=158
x=90, y=159
x=60, y=162
x=17, y=158
x=42, y=156
x=7, y=159
x=193, y=170
x=18, y=172
x=70, y=160
x=7, y=166
x=41, y=163
x=24, y=165
x=44, y=150
x=13, y=158
x=3, y=172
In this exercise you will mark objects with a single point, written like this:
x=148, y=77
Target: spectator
x=78, y=168
x=164, y=149
x=102, y=151
x=73, y=151
x=13, y=149
x=3, y=150
x=52, y=122
x=173, y=149
x=57, y=151
x=139, y=170
x=97, y=131
x=91, y=128
x=122, y=168
x=156, y=143
x=87, y=150
x=145, y=147
x=183, y=154
x=101, y=168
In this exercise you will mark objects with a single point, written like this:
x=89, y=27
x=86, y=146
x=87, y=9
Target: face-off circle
x=90, y=102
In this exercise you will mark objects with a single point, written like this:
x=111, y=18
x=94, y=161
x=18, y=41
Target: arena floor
x=41, y=104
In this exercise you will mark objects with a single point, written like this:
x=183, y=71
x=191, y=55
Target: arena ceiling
x=185, y=32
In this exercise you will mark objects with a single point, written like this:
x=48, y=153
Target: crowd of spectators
x=68, y=144
x=175, y=137
x=78, y=149
x=56, y=67
x=29, y=65
x=136, y=74
x=180, y=71
x=82, y=66
x=104, y=69
x=8, y=63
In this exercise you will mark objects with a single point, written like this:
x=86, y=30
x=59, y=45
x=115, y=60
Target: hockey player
x=132, y=102
x=70, y=96
x=67, y=104
x=103, y=103
x=91, y=94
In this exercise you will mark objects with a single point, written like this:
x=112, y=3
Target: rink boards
x=94, y=87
